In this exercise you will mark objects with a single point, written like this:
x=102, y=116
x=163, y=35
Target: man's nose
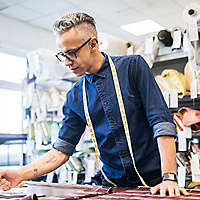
x=68, y=62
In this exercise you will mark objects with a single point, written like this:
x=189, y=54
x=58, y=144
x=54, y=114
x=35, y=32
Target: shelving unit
x=177, y=59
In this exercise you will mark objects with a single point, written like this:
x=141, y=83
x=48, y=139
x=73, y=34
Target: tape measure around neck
x=123, y=116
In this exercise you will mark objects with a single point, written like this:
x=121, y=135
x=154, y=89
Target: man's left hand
x=168, y=187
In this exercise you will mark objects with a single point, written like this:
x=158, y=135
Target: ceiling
x=109, y=14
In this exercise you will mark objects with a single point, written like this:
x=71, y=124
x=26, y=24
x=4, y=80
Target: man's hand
x=9, y=179
x=168, y=187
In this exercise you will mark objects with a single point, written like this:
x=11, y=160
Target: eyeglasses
x=70, y=55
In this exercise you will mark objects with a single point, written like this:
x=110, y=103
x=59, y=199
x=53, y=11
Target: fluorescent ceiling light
x=143, y=27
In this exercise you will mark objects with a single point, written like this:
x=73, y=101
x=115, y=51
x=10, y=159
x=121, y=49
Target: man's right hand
x=45, y=164
x=9, y=179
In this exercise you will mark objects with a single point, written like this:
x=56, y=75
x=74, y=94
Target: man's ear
x=94, y=43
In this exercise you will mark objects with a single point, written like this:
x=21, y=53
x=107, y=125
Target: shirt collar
x=101, y=72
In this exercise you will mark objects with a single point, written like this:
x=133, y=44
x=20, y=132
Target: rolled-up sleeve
x=164, y=129
x=72, y=128
x=64, y=146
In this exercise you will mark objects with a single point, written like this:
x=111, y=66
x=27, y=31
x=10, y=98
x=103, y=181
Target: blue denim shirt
x=147, y=115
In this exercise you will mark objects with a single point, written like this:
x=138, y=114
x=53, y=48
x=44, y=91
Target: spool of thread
x=165, y=37
x=30, y=197
x=192, y=12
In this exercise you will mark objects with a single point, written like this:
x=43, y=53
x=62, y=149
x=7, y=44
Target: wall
x=18, y=38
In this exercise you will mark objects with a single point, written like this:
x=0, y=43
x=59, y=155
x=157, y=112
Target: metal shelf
x=167, y=53
x=186, y=101
x=12, y=138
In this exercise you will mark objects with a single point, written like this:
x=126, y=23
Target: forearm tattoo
x=35, y=172
x=51, y=158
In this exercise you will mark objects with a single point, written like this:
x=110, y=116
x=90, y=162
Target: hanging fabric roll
x=165, y=37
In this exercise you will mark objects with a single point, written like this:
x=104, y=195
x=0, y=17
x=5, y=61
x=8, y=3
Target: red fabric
x=189, y=117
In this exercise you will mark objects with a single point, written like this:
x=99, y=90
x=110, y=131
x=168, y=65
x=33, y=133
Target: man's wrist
x=169, y=177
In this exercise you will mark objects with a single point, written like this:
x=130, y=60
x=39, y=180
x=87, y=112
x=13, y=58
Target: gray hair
x=75, y=20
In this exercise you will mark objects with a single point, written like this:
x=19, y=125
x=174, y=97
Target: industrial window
x=12, y=73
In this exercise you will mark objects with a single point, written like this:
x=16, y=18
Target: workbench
x=54, y=191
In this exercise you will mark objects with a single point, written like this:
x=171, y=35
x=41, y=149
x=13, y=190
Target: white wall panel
x=18, y=35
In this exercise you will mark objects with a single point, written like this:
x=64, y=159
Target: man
x=121, y=103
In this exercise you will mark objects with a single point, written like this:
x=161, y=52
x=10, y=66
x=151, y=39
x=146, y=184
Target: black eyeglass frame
x=72, y=52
